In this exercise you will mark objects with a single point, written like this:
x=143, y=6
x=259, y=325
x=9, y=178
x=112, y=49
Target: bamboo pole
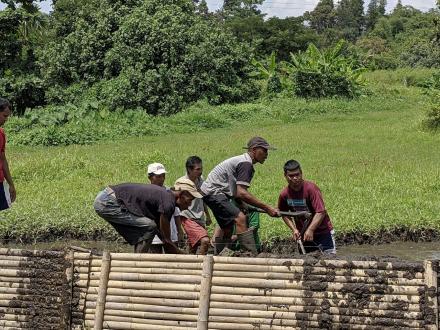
x=168, y=271
x=431, y=294
x=286, y=284
x=301, y=293
x=308, y=277
x=413, y=266
x=31, y=253
x=70, y=258
x=111, y=292
x=100, y=304
x=205, y=292
x=148, y=315
x=155, y=278
x=143, y=285
x=241, y=311
x=158, y=257
x=287, y=304
x=193, y=325
x=133, y=326
x=138, y=277
x=12, y=264
x=295, y=319
x=316, y=270
x=145, y=308
x=147, y=301
x=299, y=324
x=151, y=264
x=17, y=290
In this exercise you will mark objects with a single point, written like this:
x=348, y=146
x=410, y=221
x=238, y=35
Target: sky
x=284, y=8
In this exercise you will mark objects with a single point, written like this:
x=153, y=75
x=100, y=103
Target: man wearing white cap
x=156, y=174
x=140, y=211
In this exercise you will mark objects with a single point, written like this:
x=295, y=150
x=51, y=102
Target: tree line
x=161, y=55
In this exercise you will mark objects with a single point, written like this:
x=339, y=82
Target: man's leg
x=134, y=229
x=225, y=213
x=197, y=235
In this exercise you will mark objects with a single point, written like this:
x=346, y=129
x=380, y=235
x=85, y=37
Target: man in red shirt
x=303, y=195
x=7, y=189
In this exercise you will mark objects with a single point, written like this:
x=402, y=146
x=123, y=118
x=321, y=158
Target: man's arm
x=246, y=196
x=207, y=215
x=316, y=221
x=8, y=176
x=165, y=231
x=291, y=224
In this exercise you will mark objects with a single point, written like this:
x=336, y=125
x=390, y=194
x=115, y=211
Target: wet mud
x=43, y=302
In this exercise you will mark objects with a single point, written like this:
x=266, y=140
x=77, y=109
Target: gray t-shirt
x=196, y=211
x=225, y=177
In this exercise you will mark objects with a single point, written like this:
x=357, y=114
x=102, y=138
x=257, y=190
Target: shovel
x=296, y=214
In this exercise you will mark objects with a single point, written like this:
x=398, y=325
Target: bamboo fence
x=79, y=290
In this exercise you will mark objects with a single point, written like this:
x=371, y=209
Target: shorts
x=5, y=199
x=324, y=242
x=193, y=230
x=133, y=228
x=223, y=209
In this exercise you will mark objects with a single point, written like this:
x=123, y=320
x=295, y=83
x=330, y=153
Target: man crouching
x=140, y=211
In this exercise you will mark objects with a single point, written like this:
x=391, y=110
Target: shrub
x=151, y=54
x=325, y=73
x=432, y=120
x=23, y=91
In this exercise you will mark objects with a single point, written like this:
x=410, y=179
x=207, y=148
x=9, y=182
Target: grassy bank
x=376, y=168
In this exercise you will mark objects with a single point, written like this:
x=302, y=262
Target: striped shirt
x=225, y=177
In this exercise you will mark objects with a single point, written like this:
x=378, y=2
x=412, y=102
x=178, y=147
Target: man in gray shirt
x=230, y=180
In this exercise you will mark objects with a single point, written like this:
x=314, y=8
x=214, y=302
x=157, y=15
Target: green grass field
x=375, y=166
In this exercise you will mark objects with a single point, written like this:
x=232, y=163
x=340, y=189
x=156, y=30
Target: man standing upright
x=7, y=189
x=195, y=219
x=230, y=180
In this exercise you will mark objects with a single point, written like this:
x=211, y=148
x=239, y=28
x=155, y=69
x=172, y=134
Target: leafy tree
x=323, y=17
x=284, y=36
x=376, y=9
x=350, y=18
x=240, y=8
x=153, y=54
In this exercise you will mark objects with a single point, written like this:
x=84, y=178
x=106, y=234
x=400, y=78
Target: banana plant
x=268, y=71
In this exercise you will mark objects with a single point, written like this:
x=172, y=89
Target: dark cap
x=258, y=141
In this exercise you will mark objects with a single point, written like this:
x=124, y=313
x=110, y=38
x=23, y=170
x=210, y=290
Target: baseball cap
x=184, y=184
x=258, y=141
x=156, y=168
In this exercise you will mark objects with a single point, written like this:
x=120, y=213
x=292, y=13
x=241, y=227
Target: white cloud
x=284, y=8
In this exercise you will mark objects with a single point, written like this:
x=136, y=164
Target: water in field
x=403, y=250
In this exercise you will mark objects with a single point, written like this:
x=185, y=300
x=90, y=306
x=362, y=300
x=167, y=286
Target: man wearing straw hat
x=140, y=211
x=230, y=180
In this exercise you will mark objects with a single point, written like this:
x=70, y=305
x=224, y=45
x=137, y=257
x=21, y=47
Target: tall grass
x=375, y=167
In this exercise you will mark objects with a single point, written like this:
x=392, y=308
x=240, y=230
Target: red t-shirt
x=309, y=199
x=2, y=150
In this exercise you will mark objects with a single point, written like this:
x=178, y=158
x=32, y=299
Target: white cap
x=156, y=168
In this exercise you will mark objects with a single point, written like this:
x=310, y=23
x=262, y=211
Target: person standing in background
x=156, y=174
x=7, y=188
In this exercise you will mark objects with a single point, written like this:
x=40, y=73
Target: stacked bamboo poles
x=33, y=291
x=143, y=290
x=283, y=293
